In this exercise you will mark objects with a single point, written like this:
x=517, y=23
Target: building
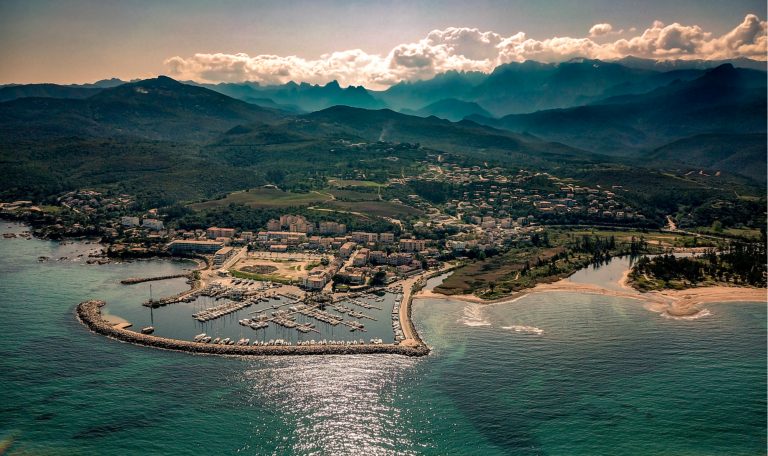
x=361, y=257
x=409, y=269
x=278, y=248
x=353, y=276
x=189, y=247
x=316, y=281
x=273, y=225
x=387, y=237
x=216, y=232
x=283, y=237
x=398, y=259
x=332, y=228
x=412, y=245
x=364, y=237
x=152, y=224
x=129, y=221
x=346, y=249
x=222, y=255
x=377, y=257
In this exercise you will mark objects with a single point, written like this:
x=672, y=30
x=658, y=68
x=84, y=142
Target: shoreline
x=672, y=303
x=89, y=314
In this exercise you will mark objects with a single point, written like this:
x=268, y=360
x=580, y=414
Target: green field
x=261, y=277
x=743, y=233
x=374, y=208
x=352, y=195
x=344, y=183
x=264, y=198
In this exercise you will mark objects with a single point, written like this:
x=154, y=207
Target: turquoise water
x=550, y=374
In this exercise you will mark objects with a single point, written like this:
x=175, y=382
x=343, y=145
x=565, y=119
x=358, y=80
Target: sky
x=371, y=43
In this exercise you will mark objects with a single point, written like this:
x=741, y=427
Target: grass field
x=743, y=233
x=344, y=183
x=374, y=208
x=260, y=277
x=269, y=269
x=264, y=198
x=663, y=240
x=352, y=195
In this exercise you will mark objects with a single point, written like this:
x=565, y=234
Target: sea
x=547, y=374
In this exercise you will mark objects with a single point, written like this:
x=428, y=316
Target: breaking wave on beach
x=700, y=314
x=473, y=316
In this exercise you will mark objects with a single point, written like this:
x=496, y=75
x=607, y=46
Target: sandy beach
x=673, y=303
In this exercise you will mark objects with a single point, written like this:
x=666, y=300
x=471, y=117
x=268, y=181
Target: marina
x=240, y=309
x=89, y=313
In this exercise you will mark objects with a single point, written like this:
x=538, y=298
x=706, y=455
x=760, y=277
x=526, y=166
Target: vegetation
x=737, y=264
x=262, y=277
x=546, y=257
x=264, y=198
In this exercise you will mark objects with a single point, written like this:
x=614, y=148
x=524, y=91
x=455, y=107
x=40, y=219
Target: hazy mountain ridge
x=512, y=88
x=449, y=109
x=723, y=100
x=159, y=108
x=739, y=154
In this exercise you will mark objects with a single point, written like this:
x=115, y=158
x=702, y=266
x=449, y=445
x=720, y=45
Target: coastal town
x=294, y=278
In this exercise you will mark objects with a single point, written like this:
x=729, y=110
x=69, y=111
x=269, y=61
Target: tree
x=275, y=176
x=379, y=278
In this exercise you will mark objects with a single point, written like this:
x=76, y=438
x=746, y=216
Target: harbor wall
x=135, y=280
x=89, y=313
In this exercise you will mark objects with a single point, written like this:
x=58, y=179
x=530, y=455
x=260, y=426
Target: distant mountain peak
x=160, y=82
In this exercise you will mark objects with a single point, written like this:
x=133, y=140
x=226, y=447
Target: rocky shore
x=89, y=313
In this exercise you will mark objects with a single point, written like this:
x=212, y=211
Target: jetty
x=135, y=280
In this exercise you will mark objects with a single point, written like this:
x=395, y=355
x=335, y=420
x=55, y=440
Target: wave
x=700, y=314
x=525, y=329
x=473, y=316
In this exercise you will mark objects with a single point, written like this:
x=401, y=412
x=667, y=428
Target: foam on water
x=525, y=329
x=473, y=316
x=700, y=314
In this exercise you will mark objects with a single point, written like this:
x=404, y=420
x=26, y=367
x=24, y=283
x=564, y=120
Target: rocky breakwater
x=89, y=313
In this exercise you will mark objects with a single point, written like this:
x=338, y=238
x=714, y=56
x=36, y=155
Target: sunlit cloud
x=470, y=49
x=600, y=30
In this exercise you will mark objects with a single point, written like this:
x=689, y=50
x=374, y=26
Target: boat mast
x=151, y=307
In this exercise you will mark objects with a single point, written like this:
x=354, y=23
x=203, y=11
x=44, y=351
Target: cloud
x=470, y=49
x=600, y=30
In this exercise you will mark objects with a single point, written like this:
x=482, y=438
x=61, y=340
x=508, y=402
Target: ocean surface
x=548, y=374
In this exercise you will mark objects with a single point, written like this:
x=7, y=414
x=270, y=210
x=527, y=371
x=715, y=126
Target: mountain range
x=513, y=88
x=724, y=100
x=178, y=140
